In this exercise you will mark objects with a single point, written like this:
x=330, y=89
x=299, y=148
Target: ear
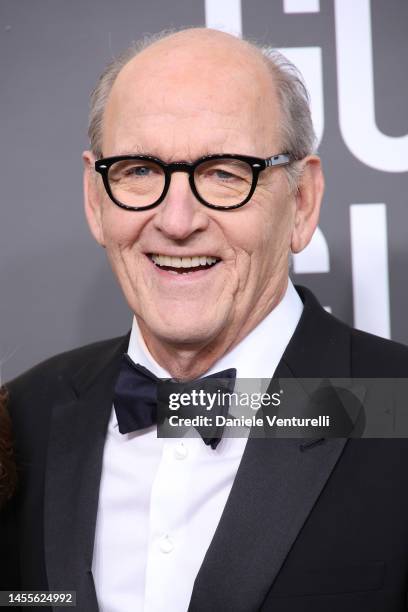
x=308, y=201
x=92, y=198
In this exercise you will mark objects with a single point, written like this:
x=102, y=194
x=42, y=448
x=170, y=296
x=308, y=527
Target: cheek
x=278, y=218
x=267, y=231
x=122, y=229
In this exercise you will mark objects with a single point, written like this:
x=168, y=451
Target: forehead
x=194, y=95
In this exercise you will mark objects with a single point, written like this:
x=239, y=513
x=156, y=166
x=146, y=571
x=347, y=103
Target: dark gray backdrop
x=56, y=290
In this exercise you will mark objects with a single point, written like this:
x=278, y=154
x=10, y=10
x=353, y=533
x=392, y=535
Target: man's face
x=179, y=104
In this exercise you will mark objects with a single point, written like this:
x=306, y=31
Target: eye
x=223, y=175
x=224, y=172
x=141, y=171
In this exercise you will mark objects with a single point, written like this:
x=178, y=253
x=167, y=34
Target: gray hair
x=297, y=133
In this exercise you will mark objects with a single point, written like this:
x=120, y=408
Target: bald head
x=206, y=49
x=199, y=59
x=208, y=62
x=200, y=41
x=191, y=73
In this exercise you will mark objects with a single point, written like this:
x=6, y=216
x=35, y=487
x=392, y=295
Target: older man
x=200, y=183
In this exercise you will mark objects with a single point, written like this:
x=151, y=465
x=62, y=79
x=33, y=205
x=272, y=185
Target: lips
x=183, y=265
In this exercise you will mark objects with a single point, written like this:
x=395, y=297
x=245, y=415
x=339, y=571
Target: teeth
x=184, y=262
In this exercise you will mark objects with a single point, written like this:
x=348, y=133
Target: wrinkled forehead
x=225, y=85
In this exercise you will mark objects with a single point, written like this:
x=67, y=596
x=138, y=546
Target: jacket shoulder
x=373, y=356
x=324, y=346
x=63, y=366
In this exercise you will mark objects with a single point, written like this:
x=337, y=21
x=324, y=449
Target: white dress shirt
x=161, y=500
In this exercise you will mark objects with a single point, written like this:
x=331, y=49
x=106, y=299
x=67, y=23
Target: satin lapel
x=277, y=484
x=74, y=466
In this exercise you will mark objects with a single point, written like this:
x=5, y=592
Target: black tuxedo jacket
x=307, y=527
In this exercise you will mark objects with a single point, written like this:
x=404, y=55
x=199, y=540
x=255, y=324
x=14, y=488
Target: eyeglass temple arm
x=278, y=160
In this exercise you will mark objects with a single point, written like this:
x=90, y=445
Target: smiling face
x=193, y=94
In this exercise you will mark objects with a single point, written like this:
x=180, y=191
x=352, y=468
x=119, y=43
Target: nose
x=180, y=214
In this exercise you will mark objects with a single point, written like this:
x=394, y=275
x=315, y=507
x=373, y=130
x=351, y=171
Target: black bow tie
x=141, y=400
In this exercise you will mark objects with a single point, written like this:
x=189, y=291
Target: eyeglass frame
x=257, y=165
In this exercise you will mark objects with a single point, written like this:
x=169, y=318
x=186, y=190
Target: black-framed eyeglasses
x=222, y=182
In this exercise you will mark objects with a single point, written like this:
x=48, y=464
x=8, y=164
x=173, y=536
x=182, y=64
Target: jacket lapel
x=74, y=463
x=277, y=484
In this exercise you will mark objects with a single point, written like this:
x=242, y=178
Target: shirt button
x=166, y=545
x=180, y=452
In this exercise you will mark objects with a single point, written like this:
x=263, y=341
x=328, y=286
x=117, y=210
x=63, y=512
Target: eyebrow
x=137, y=150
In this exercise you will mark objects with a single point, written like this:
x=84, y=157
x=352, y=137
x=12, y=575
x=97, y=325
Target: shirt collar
x=256, y=356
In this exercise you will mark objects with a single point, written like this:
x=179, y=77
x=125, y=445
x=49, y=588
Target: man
x=200, y=183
